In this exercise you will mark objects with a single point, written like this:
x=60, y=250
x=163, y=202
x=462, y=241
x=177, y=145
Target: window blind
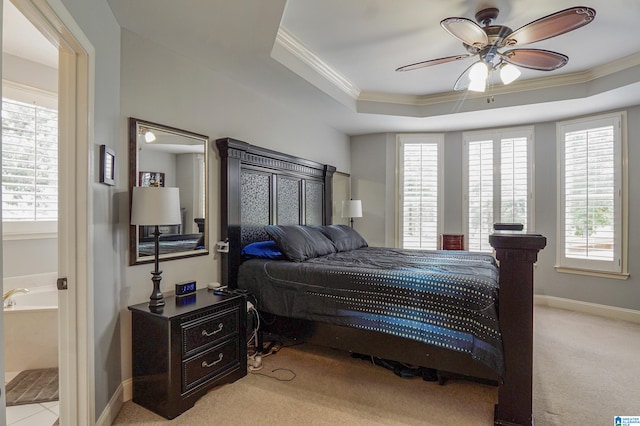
x=480, y=194
x=589, y=193
x=513, y=181
x=419, y=190
x=29, y=162
x=498, y=182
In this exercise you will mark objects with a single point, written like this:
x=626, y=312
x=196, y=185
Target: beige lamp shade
x=352, y=208
x=155, y=206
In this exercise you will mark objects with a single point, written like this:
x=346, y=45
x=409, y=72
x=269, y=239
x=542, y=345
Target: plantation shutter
x=29, y=162
x=513, y=181
x=480, y=190
x=419, y=207
x=589, y=193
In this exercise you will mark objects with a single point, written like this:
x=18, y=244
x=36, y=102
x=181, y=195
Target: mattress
x=443, y=298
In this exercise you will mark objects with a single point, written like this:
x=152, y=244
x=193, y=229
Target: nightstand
x=452, y=241
x=196, y=342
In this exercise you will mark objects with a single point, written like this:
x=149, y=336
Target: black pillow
x=343, y=237
x=299, y=243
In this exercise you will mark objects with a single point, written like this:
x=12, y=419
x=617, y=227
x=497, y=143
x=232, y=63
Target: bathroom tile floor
x=44, y=414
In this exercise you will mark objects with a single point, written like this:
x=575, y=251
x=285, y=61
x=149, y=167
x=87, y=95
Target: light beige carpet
x=586, y=368
x=586, y=371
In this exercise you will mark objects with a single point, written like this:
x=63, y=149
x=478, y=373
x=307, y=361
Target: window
x=590, y=194
x=29, y=166
x=420, y=189
x=498, y=177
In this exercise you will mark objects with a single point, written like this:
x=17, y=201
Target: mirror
x=165, y=156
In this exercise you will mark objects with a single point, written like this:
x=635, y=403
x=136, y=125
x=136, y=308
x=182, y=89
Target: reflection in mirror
x=165, y=156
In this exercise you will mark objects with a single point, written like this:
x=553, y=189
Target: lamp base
x=157, y=298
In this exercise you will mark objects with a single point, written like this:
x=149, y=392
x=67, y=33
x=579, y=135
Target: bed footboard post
x=516, y=253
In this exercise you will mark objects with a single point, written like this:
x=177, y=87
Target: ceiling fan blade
x=535, y=59
x=432, y=62
x=462, y=83
x=466, y=31
x=552, y=25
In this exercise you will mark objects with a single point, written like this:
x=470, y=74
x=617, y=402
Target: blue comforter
x=444, y=298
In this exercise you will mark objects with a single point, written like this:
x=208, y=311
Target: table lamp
x=155, y=206
x=351, y=209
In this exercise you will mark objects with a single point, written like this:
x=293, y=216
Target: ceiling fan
x=486, y=41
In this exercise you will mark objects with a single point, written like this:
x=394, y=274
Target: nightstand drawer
x=452, y=242
x=208, y=364
x=207, y=330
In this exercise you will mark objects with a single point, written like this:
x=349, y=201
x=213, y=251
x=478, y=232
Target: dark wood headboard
x=261, y=187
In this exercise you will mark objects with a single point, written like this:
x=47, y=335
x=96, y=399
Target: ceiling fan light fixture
x=478, y=75
x=149, y=136
x=509, y=73
x=478, y=85
x=479, y=72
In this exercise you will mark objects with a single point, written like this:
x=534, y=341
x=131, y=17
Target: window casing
x=29, y=161
x=498, y=181
x=590, y=231
x=420, y=178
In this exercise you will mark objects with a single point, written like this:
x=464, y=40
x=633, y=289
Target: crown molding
x=286, y=40
x=518, y=86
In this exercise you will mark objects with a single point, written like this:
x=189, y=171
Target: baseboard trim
x=127, y=390
x=612, y=312
x=122, y=394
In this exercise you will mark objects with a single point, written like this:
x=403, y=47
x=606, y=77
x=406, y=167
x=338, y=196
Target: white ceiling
x=366, y=40
x=20, y=38
x=336, y=58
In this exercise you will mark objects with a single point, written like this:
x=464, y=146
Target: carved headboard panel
x=261, y=187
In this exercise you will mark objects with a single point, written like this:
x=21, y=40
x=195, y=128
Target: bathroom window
x=29, y=162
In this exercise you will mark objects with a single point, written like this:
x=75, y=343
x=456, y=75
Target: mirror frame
x=134, y=124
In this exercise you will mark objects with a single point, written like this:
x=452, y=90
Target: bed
x=264, y=193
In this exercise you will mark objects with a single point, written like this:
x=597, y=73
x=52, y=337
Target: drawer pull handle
x=207, y=365
x=207, y=334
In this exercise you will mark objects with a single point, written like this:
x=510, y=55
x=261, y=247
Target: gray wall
x=369, y=185
x=161, y=86
x=373, y=169
x=96, y=21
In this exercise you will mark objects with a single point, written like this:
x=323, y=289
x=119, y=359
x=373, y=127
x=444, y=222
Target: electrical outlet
x=222, y=247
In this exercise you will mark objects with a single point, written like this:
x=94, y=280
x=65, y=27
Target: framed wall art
x=107, y=165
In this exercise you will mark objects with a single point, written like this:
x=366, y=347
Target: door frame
x=76, y=84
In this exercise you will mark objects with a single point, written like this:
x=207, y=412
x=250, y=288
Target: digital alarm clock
x=186, y=299
x=186, y=287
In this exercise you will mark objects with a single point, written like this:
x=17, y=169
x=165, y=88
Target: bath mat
x=33, y=387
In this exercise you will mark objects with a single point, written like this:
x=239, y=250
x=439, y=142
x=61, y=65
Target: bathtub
x=38, y=298
x=31, y=330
